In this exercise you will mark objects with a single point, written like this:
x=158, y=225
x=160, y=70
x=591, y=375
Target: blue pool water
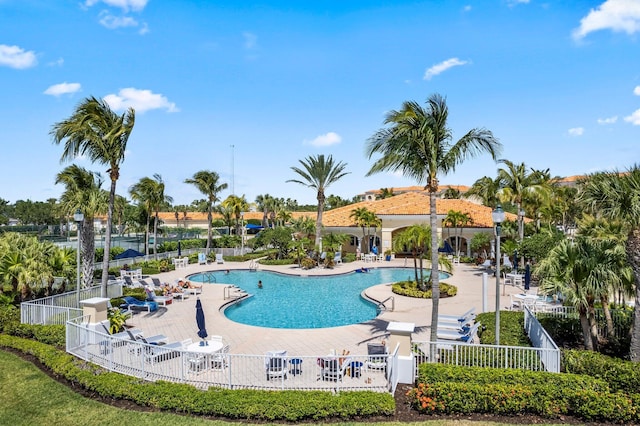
x=288, y=301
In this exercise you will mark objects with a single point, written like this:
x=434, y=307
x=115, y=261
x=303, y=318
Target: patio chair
x=158, y=353
x=377, y=356
x=220, y=359
x=135, y=305
x=219, y=258
x=156, y=282
x=275, y=363
x=129, y=282
x=160, y=300
x=337, y=259
x=331, y=369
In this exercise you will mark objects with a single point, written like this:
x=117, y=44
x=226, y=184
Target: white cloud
x=576, y=131
x=467, y=8
x=125, y=5
x=250, y=40
x=57, y=63
x=513, y=3
x=140, y=100
x=636, y=91
x=442, y=67
x=634, y=118
x=616, y=15
x=112, y=22
x=16, y=57
x=62, y=88
x=609, y=120
x=144, y=29
x=328, y=139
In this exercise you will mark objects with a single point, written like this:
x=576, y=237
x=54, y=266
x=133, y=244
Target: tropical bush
x=411, y=289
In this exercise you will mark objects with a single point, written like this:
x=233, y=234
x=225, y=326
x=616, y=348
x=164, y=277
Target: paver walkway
x=177, y=321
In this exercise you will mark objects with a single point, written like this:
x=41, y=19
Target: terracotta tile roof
x=403, y=189
x=169, y=218
x=412, y=203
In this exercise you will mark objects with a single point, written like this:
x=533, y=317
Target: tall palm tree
x=264, y=204
x=418, y=143
x=208, y=183
x=365, y=219
x=457, y=220
x=150, y=192
x=83, y=191
x=519, y=186
x=486, y=189
x=319, y=173
x=97, y=132
x=416, y=239
x=616, y=196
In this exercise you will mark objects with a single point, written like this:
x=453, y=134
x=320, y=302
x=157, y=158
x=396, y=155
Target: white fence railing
x=61, y=308
x=495, y=356
x=621, y=320
x=226, y=251
x=232, y=371
x=549, y=353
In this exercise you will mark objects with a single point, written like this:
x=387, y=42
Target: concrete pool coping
x=177, y=321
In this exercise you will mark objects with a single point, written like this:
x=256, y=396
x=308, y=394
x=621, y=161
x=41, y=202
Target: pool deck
x=177, y=321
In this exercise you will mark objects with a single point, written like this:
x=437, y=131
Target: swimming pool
x=291, y=301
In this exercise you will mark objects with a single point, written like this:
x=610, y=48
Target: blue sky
x=558, y=83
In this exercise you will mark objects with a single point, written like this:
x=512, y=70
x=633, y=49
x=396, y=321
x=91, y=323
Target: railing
x=60, y=308
x=621, y=319
x=140, y=259
x=495, y=356
x=549, y=353
x=231, y=371
x=382, y=305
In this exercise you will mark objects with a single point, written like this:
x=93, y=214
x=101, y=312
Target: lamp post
x=78, y=217
x=498, y=217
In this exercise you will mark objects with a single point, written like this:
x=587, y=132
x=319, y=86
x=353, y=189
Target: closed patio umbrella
x=202, y=330
x=527, y=276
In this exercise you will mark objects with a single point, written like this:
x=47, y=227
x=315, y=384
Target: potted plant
x=387, y=255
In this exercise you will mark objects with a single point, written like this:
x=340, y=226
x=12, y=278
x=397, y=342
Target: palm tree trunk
x=633, y=248
x=146, y=237
x=593, y=328
x=435, y=278
x=209, y=228
x=586, y=332
x=155, y=236
x=321, y=199
x=87, y=242
x=107, y=235
x=607, y=317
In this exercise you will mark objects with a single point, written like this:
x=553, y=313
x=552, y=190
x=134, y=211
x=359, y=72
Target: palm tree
x=457, y=220
x=419, y=144
x=366, y=219
x=319, y=173
x=616, y=196
x=237, y=206
x=150, y=192
x=451, y=193
x=518, y=186
x=83, y=191
x=416, y=239
x=97, y=132
x=386, y=193
x=207, y=182
x=264, y=203
x=486, y=189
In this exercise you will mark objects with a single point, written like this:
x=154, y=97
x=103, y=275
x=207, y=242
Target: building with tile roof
x=374, y=194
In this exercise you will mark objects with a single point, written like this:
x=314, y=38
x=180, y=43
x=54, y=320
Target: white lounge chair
x=377, y=356
x=337, y=259
x=463, y=318
x=219, y=258
x=463, y=336
x=331, y=369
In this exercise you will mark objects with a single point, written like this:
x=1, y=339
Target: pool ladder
x=383, y=307
x=253, y=266
x=208, y=278
x=233, y=292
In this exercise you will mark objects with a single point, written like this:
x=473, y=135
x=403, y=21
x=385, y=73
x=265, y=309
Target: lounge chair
x=219, y=258
x=202, y=259
x=276, y=363
x=486, y=265
x=337, y=259
x=135, y=305
x=129, y=282
x=463, y=318
x=463, y=336
x=160, y=300
x=156, y=282
x=377, y=356
x=157, y=353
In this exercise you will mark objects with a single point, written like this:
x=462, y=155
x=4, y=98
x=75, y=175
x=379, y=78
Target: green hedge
x=619, y=374
x=443, y=390
x=236, y=404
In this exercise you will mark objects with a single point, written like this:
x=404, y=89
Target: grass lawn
x=30, y=397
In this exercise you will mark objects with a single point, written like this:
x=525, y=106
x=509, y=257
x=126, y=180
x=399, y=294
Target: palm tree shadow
x=378, y=329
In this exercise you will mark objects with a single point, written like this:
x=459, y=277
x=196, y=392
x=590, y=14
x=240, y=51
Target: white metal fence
x=548, y=350
x=226, y=251
x=60, y=308
x=621, y=319
x=495, y=356
x=172, y=362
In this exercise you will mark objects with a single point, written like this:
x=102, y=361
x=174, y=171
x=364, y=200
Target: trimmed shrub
x=619, y=374
x=410, y=289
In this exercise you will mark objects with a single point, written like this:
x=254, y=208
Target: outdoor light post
x=78, y=217
x=498, y=217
